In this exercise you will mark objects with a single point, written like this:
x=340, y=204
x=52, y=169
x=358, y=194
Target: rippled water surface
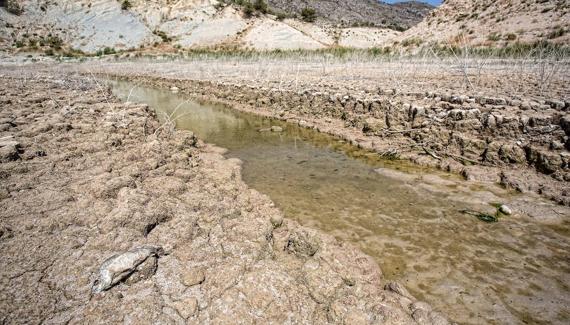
x=515, y=271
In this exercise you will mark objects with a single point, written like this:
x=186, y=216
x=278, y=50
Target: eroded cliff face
x=109, y=216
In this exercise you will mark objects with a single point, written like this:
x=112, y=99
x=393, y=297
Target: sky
x=431, y=2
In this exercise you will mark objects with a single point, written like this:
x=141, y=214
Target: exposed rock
x=505, y=210
x=187, y=307
x=399, y=289
x=303, y=243
x=193, y=277
x=9, y=153
x=276, y=129
x=276, y=220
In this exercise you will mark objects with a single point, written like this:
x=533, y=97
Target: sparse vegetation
x=494, y=37
x=412, y=41
x=309, y=14
x=261, y=6
x=162, y=35
x=126, y=5
x=13, y=7
x=558, y=32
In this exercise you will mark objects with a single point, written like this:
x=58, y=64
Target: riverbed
x=408, y=218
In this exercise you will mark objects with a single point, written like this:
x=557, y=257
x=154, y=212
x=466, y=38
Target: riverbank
x=85, y=177
x=494, y=134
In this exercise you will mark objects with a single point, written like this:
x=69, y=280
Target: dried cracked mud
x=508, y=131
x=108, y=216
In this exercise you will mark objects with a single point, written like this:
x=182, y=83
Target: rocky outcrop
x=162, y=225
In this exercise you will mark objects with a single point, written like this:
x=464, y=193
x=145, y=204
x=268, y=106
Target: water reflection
x=406, y=217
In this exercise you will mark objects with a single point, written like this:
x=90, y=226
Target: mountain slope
x=495, y=22
x=359, y=12
x=93, y=25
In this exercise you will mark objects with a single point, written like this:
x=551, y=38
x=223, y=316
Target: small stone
x=276, y=129
x=556, y=104
x=193, y=277
x=276, y=220
x=8, y=153
x=302, y=243
x=420, y=305
x=187, y=307
x=174, y=89
x=399, y=289
x=505, y=210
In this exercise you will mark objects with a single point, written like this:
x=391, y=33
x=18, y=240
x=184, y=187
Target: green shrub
x=260, y=5
x=162, y=35
x=109, y=50
x=248, y=10
x=309, y=15
x=281, y=16
x=13, y=7
x=126, y=5
x=53, y=41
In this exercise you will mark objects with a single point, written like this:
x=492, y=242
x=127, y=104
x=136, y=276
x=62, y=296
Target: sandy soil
x=108, y=216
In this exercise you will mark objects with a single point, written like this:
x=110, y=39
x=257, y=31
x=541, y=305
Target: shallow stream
x=408, y=218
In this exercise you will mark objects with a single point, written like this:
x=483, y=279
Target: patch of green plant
x=162, y=35
x=52, y=41
x=248, y=10
x=261, y=6
x=109, y=50
x=309, y=14
x=126, y=5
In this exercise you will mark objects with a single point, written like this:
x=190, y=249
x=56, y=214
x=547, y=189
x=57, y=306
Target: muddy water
x=407, y=218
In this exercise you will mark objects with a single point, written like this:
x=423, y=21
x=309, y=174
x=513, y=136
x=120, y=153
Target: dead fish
x=119, y=267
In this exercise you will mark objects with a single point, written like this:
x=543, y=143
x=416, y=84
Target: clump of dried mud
x=84, y=177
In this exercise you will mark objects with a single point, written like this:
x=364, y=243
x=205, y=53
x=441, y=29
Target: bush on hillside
x=126, y=4
x=309, y=15
x=261, y=6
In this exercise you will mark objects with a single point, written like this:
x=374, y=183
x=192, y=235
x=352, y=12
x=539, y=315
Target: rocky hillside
x=94, y=25
x=496, y=22
x=359, y=13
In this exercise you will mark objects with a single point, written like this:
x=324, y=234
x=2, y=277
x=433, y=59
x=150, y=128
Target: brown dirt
x=482, y=138
x=84, y=177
